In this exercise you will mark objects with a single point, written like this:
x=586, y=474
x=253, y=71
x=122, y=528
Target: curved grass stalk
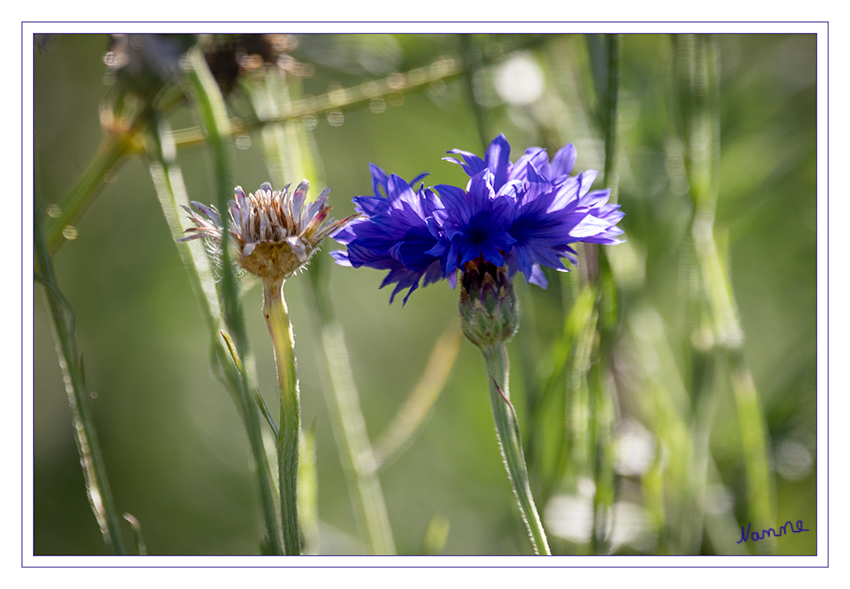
x=110, y=151
x=404, y=425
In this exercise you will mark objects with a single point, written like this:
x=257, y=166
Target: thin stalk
x=603, y=416
x=122, y=135
x=507, y=430
x=210, y=107
x=110, y=151
x=91, y=459
x=141, y=548
x=416, y=80
x=610, y=115
x=280, y=330
x=401, y=430
x=698, y=68
x=603, y=412
x=356, y=454
x=349, y=426
x=270, y=97
x=473, y=62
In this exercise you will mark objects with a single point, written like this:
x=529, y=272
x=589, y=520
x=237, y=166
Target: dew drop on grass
x=336, y=118
x=54, y=211
x=69, y=232
x=396, y=81
x=309, y=122
x=378, y=105
x=243, y=142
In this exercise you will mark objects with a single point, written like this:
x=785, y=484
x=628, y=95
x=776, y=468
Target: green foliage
x=665, y=389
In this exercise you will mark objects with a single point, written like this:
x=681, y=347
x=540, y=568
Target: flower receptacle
x=489, y=309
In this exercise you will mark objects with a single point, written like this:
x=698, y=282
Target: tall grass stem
x=287, y=148
x=209, y=104
x=91, y=459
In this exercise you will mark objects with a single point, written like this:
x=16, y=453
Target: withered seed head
x=276, y=231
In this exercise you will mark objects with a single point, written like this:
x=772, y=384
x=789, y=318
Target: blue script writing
x=745, y=534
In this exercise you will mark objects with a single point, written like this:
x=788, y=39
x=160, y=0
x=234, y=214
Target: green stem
x=472, y=63
x=288, y=154
x=349, y=427
x=507, y=429
x=610, y=116
x=94, y=468
x=356, y=451
x=698, y=61
x=602, y=413
x=280, y=330
x=210, y=106
x=112, y=148
x=404, y=426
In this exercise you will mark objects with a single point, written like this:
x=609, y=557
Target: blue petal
x=498, y=160
x=472, y=164
x=588, y=227
x=564, y=160
x=379, y=180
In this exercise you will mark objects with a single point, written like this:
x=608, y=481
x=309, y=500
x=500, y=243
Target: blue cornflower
x=551, y=208
x=516, y=217
x=395, y=233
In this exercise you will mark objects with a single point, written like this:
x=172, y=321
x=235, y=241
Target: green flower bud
x=489, y=309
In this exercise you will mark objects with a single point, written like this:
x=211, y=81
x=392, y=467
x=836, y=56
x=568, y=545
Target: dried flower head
x=276, y=231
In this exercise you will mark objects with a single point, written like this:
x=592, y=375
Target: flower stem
x=507, y=429
x=210, y=106
x=280, y=329
x=288, y=153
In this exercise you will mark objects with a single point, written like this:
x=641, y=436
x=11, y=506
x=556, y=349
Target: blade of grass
x=404, y=425
x=698, y=68
x=349, y=428
x=141, y=549
x=607, y=77
x=288, y=153
x=209, y=104
x=91, y=459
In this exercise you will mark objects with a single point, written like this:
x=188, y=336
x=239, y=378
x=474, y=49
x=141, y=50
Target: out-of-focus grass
x=170, y=435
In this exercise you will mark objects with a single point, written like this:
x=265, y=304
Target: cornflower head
x=276, y=231
x=509, y=218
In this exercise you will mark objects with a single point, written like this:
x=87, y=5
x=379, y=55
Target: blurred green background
x=176, y=453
